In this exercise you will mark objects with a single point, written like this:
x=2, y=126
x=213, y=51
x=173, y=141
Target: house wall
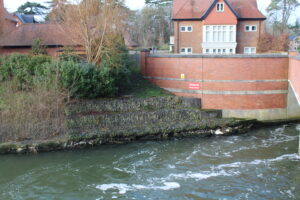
x=248, y=39
x=188, y=39
x=240, y=85
x=219, y=18
x=50, y=51
x=53, y=51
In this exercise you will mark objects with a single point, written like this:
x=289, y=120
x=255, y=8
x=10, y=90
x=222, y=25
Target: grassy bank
x=142, y=88
x=35, y=91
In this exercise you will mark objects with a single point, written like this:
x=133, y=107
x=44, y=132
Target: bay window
x=219, y=39
x=219, y=33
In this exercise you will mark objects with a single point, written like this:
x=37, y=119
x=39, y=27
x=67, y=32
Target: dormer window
x=220, y=7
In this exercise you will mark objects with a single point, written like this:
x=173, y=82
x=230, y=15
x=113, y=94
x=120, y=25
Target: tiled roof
x=197, y=9
x=24, y=35
x=293, y=37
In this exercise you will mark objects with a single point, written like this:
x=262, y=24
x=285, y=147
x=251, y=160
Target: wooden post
x=143, y=65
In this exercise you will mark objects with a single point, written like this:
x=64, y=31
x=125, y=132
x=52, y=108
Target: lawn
x=142, y=88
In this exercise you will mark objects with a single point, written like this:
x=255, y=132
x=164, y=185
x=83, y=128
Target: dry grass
x=31, y=115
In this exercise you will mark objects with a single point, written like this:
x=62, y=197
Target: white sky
x=12, y=5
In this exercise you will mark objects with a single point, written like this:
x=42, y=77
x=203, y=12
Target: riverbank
x=117, y=121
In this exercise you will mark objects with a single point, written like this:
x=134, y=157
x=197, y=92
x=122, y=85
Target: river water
x=262, y=164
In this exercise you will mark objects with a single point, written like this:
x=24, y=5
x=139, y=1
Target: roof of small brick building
x=24, y=35
x=198, y=9
x=26, y=19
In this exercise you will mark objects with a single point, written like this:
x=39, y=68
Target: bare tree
x=151, y=26
x=280, y=11
x=95, y=25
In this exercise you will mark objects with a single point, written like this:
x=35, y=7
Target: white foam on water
x=198, y=176
x=126, y=170
x=298, y=127
x=292, y=157
x=124, y=188
x=134, y=155
x=277, y=136
x=192, y=154
x=203, y=152
x=171, y=166
x=290, y=194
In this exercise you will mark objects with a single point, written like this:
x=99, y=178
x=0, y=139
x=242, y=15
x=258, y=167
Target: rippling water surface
x=261, y=164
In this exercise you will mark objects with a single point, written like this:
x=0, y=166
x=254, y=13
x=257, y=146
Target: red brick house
x=20, y=31
x=217, y=26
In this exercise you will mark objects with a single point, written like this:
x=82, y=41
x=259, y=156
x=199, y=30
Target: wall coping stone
x=278, y=55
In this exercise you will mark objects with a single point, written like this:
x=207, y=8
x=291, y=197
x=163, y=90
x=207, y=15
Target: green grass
x=142, y=88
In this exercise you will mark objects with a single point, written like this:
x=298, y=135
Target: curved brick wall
x=226, y=82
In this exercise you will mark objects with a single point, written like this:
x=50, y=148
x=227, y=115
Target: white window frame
x=225, y=50
x=186, y=28
x=219, y=33
x=220, y=7
x=248, y=50
x=250, y=28
x=186, y=50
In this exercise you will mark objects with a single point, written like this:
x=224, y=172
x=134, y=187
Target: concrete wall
x=294, y=94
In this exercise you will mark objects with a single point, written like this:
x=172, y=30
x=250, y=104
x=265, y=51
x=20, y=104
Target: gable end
x=213, y=5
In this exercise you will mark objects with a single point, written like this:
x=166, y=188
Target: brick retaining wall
x=239, y=82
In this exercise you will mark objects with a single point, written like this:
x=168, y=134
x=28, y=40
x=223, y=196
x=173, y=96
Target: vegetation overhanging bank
x=117, y=121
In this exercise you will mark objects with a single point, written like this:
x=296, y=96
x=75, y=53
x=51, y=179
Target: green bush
x=80, y=80
x=38, y=48
x=164, y=47
x=86, y=80
x=22, y=68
